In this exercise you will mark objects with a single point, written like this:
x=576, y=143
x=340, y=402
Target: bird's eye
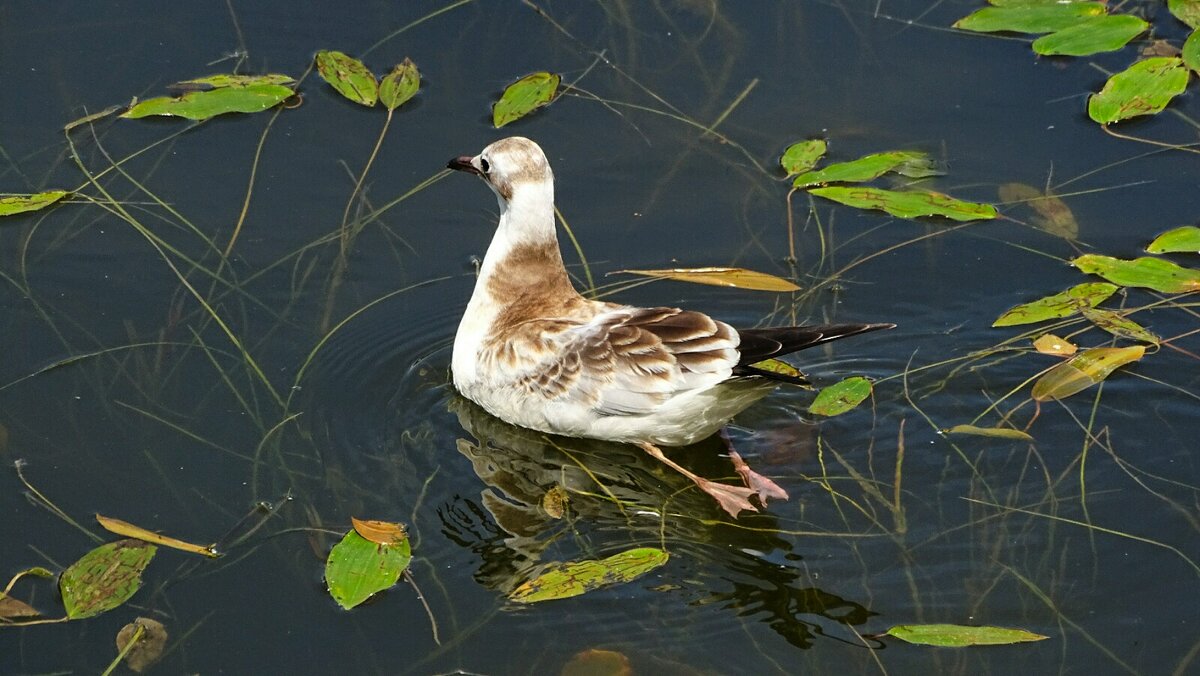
x=483, y=164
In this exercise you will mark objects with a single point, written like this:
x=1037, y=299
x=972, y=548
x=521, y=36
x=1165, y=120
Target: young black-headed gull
x=535, y=353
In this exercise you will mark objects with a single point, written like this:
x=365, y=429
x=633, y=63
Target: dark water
x=162, y=423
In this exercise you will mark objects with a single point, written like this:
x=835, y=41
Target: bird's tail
x=759, y=344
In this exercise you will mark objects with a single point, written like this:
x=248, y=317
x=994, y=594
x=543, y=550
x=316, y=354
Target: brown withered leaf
x=149, y=646
x=380, y=532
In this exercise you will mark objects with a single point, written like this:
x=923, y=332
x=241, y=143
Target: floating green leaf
x=777, y=366
x=1191, y=51
x=349, y=76
x=1042, y=17
x=201, y=105
x=17, y=204
x=1145, y=272
x=1187, y=11
x=735, y=277
x=1059, y=305
x=399, y=85
x=104, y=578
x=1084, y=370
x=907, y=204
x=229, y=80
x=1145, y=88
x=959, y=636
x=525, y=96
x=994, y=432
x=910, y=163
x=1053, y=214
x=841, y=396
x=1119, y=326
x=565, y=580
x=358, y=568
x=802, y=156
x=1180, y=240
x=1094, y=35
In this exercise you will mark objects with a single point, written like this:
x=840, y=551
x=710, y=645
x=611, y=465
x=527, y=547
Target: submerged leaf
x=1187, y=11
x=994, y=432
x=201, y=105
x=348, y=76
x=1063, y=304
x=565, y=580
x=910, y=163
x=554, y=502
x=597, y=662
x=1119, y=326
x=229, y=80
x=1151, y=273
x=778, y=366
x=149, y=646
x=18, y=204
x=1084, y=370
x=1053, y=345
x=1053, y=214
x=1145, y=88
x=525, y=96
x=380, y=532
x=400, y=85
x=358, y=568
x=1094, y=35
x=104, y=578
x=908, y=204
x=131, y=531
x=735, y=277
x=1041, y=17
x=841, y=396
x=802, y=156
x=1179, y=240
x=958, y=636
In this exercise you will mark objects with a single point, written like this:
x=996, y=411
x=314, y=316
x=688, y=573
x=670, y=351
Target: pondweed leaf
x=554, y=502
x=15, y=609
x=202, y=105
x=1185, y=239
x=841, y=396
x=104, y=578
x=358, y=568
x=348, y=76
x=910, y=163
x=525, y=96
x=1187, y=11
x=1119, y=326
x=1145, y=272
x=959, y=636
x=1093, y=35
x=778, y=366
x=565, y=580
x=909, y=203
x=1145, y=88
x=19, y=204
x=1032, y=17
x=1191, y=51
x=150, y=643
x=129, y=530
x=1063, y=304
x=1053, y=345
x=230, y=80
x=400, y=85
x=379, y=532
x=802, y=156
x=1053, y=214
x=1084, y=370
x=739, y=278
x=994, y=432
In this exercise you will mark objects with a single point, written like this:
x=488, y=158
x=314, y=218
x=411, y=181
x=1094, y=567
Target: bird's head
x=510, y=167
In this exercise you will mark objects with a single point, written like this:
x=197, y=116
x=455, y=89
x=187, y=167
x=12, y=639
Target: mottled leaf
x=151, y=639
x=1052, y=214
x=17, y=204
x=202, y=105
x=1191, y=51
x=1144, y=272
x=229, y=80
x=525, y=96
x=1180, y=240
x=735, y=277
x=841, y=396
x=1063, y=304
x=104, y=578
x=1094, y=35
x=1042, y=17
x=994, y=432
x=908, y=204
x=554, y=502
x=959, y=636
x=909, y=163
x=564, y=580
x=1145, y=88
x=380, y=532
x=1119, y=326
x=348, y=76
x=358, y=568
x=1084, y=370
x=778, y=366
x=400, y=85
x=1053, y=345
x=802, y=156
x=1187, y=11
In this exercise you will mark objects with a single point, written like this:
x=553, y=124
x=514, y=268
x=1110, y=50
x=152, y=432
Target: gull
x=532, y=351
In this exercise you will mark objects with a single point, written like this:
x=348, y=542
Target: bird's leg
x=762, y=486
x=733, y=499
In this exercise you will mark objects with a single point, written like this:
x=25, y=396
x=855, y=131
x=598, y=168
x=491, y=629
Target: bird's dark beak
x=463, y=164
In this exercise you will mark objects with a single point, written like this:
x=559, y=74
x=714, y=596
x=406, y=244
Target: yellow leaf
x=1084, y=370
x=380, y=532
x=1052, y=344
x=137, y=532
x=735, y=277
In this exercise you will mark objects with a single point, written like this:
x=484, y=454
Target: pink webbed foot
x=760, y=485
x=733, y=499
